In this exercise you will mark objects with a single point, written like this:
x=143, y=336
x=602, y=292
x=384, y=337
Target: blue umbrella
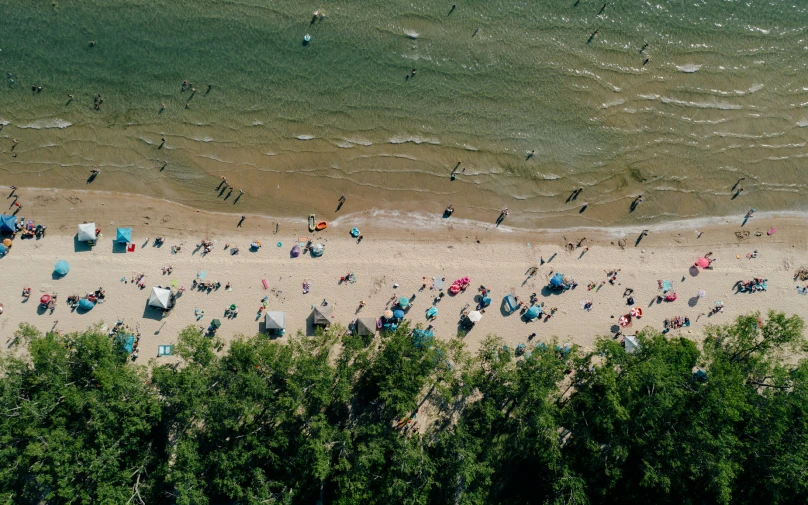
x=8, y=224
x=398, y=314
x=124, y=235
x=85, y=304
x=61, y=267
x=3, y=250
x=557, y=280
x=533, y=312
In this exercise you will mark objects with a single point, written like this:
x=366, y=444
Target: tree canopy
x=340, y=419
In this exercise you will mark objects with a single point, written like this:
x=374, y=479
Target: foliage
x=340, y=419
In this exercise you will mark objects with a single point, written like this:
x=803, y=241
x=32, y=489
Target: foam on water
x=46, y=123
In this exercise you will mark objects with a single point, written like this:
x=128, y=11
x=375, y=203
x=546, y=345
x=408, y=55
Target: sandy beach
x=495, y=258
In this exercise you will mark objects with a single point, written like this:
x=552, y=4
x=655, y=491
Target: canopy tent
x=61, y=268
x=533, y=312
x=631, y=344
x=366, y=326
x=403, y=302
x=8, y=224
x=511, y=303
x=475, y=316
x=322, y=315
x=421, y=337
x=275, y=320
x=123, y=235
x=160, y=297
x=127, y=342
x=86, y=232
x=85, y=304
x=557, y=280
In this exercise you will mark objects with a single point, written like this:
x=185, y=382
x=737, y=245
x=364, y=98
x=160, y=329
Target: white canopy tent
x=275, y=320
x=86, y=232
x=160, y=297
x=631, y=344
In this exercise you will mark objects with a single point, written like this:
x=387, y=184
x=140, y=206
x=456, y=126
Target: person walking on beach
x=341, y=202
x=241, y=221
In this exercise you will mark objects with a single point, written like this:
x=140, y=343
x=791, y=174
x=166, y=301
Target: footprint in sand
x=165, y=219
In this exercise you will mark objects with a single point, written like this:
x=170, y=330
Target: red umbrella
x=702, y=262
x=45, y=299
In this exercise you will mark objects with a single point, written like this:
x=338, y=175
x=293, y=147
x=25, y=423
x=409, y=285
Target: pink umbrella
x=702, y=262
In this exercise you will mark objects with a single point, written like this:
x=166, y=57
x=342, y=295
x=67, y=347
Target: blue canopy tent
x=124, y=235
x=8, y=224
x=61, y=268
x=511, y=303
x=127, y=342
x=557, y=281
x=533, y=312
x=85, y=304
x=422, y=337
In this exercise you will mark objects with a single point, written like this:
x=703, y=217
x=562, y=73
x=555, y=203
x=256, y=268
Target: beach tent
x=511, y=303
x=475, y=316
x=533, y=312
x=61, y=268
x=86, y=232
x=631, y=344
x=123, y=235
x=317, y=250
x=127, y=342
x=322, y=315
x=421, y=337
x=85, y=304
x=295, y=251
x=366, y=326
x=215, y=324
x=160, y=297
x=557, y=281
x=275, y=320
x=8, y=224
x=403, y=302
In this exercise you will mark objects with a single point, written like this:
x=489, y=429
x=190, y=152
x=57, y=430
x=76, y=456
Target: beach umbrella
x=623, y=321
x=7, y=242
x=557, y=280
x=404, y=302
x=474, y=316
x=86, y=232
x=46, y=298
x=567, y=279
x=215, y=324
x=702, y=262
x=398, y=314
x=3, y=249
x=636, y=312
x=61, y=267
x=388, y=314
x=533, y=312
x=85, y=304
x=702, y=293
x=8, y=224
x=124, y=235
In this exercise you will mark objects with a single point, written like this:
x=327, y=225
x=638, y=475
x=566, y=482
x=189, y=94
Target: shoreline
x=385, y=257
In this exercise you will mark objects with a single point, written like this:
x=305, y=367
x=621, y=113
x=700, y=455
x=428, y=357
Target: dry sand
x=496, y=258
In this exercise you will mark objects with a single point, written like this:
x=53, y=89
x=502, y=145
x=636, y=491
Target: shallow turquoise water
x=722, y=96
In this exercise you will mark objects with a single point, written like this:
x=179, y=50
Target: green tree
x=77, y=424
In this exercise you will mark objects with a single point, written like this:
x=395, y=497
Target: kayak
x=311, y=222
x=322, y=225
